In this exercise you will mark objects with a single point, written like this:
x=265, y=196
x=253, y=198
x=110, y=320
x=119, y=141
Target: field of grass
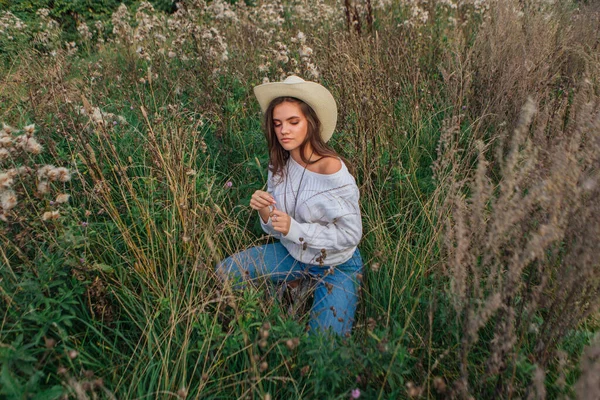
x=131, y=145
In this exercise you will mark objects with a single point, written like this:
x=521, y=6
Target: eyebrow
x=292, y=117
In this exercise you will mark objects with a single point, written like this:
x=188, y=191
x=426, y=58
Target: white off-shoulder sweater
x=326, y=224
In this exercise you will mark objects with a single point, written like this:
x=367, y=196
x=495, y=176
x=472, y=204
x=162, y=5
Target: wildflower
x=63, y=174
x=62, y=198
x=283, y=58
x=312, y=70
x=52, y=174
x=32, y=146
x=43, y=187
x=115, y=122
x=355, y=394
x=413, y=391
x=183, y=392
x=8, y=129
x=8, y=199
x=305, y=52
x=6, y=180
x=301, y=37
x=229, y=184
x=29, y=129
x=84, y=224
x=6, y=141
x=84, y=31
x=50, y=343
x=439, y=384
x=72, y=354
x=292, y=343
x=265, y=80
x=50, y=215
x=371, y=324
x=18, y=171
x=43, y=171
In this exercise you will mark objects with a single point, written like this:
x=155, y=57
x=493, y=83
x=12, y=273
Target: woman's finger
x=263, y=195
x=257, y=205
x=279, y=212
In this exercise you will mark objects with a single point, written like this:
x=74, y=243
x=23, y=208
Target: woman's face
x=290, y=124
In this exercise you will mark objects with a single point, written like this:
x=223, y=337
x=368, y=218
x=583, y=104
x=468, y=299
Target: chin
x=288, y=146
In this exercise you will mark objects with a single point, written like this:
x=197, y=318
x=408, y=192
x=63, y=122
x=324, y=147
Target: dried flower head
x=29, y=129
x=62, y=198
x=6, y=180
x=8, y=200
x=63, y=174
x=8, y=129
x=50, y=215
x=43, y=187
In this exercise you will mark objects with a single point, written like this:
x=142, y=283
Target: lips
x=286, y=140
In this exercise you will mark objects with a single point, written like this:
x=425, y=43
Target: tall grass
x=473, y=133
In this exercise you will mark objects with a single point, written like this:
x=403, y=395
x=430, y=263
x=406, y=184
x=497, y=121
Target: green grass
x=125, y=277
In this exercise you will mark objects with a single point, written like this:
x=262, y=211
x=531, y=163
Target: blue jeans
x=336, y=293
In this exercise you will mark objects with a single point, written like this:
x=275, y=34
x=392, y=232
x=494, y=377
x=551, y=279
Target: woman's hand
x=281, y=221
x=261, y=200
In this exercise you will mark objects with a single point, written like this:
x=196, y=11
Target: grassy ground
x=472, y=129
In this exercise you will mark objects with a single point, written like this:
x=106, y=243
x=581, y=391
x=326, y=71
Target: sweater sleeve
x=268, y=226
x=339, y=226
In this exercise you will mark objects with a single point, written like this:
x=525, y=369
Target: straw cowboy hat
x=313, y=94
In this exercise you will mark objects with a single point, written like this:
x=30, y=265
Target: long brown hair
x=278, y=156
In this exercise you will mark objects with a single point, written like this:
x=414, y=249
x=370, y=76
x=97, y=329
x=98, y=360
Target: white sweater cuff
x=295, y=232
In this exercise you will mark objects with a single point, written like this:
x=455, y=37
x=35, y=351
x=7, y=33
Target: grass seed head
x=263, y=366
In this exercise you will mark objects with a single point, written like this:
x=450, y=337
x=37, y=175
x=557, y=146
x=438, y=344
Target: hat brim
x=313, y=94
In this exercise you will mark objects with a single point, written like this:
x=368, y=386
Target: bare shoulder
x=328, y=165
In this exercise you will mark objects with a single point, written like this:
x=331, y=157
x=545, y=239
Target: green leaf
x=104, y=268
x=9, y=387
x=53, y=393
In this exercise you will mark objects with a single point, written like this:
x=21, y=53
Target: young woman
x=311, y=204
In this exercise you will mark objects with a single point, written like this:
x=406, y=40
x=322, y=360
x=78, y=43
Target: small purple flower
x=114, y=122
x=355, y=394
x=51, y=202
x=229, y=184
x=84, y=224
x=82, y=260
x=131, y=107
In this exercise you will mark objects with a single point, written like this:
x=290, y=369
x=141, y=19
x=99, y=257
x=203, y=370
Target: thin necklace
x=297, y=194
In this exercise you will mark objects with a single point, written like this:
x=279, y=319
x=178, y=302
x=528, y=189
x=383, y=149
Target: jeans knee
x=223, y=270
